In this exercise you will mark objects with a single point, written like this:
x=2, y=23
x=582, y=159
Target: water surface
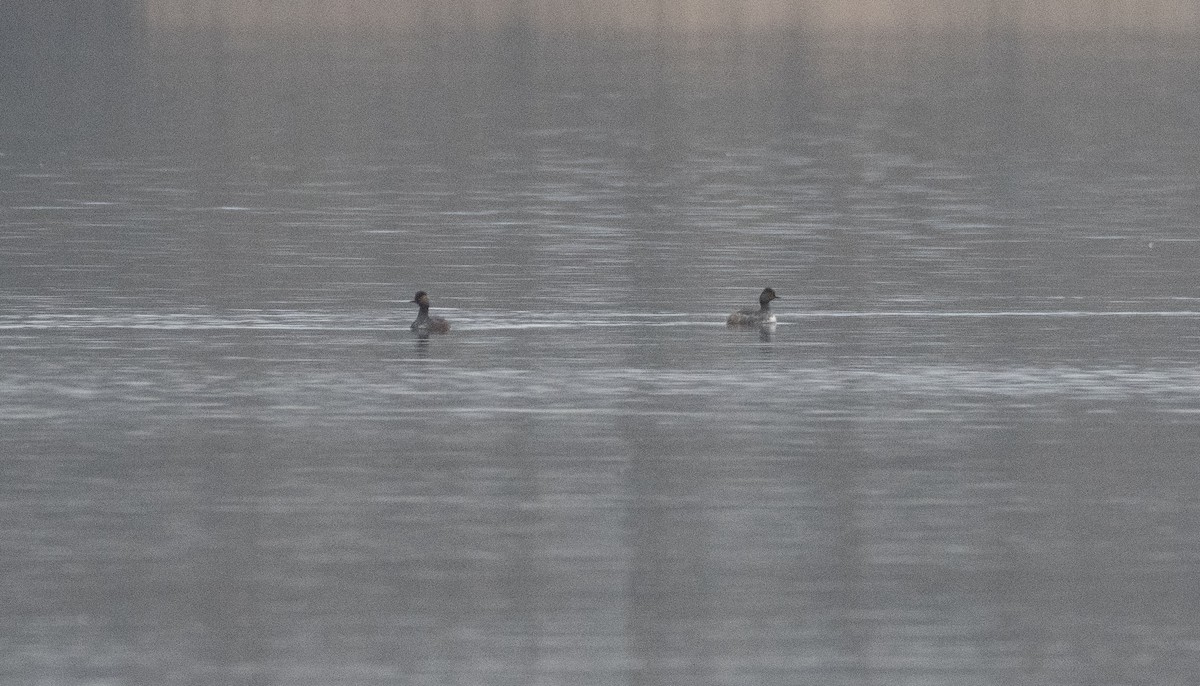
x=965, y=455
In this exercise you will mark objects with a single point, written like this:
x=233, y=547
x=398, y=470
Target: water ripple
x=495, y=320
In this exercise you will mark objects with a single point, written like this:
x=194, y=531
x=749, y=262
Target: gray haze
x=965, y=455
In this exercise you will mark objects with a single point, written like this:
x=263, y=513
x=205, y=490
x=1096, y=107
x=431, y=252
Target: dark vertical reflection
x=670, y=560
x=527, y=580
x=231, y=566
x=518, y=44
x=218, y=137
x=797, y=88
x=837, y=475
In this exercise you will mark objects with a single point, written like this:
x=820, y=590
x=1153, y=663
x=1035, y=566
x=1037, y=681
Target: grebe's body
x=752, y=317
x=424, y=323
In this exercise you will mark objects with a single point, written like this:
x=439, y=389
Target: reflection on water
x=964, y=455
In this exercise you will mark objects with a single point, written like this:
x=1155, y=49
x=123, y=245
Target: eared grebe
x=751, y=317
x=424, y=323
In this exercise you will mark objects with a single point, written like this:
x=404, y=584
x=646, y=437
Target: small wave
x=310, y=320
x=189, y=321
x=937, y=314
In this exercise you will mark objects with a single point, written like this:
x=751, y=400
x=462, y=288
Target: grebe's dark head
x=421, y=298
x=767, y=296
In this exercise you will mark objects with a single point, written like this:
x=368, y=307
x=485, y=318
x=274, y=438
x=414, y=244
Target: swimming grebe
x=424, y=323
x=751, y=317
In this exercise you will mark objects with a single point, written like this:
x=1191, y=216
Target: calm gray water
x=967, y=454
